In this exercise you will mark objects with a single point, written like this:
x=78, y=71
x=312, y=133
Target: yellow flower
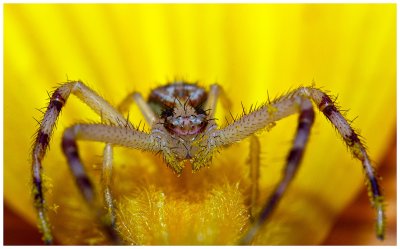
x=255, y=52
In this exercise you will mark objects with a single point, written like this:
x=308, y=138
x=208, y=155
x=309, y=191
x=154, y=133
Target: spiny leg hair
x=289, y=104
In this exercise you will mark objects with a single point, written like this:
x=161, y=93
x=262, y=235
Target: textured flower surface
x=255, y=52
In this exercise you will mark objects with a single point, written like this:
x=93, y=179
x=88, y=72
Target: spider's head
x=187, y=139
x=184, y=127
x=184, y=120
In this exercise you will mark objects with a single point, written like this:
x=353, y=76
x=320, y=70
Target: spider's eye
x=200, y=110
x=168, y=112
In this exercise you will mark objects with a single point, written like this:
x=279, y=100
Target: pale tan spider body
x=183, y=130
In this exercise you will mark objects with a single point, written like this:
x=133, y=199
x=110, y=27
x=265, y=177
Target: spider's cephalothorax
x=181, y=118
x=183, y=126
x=181, y=106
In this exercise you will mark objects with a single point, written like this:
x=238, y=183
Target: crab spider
x=183, y=128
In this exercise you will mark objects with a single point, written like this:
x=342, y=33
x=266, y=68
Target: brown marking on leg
x=325, y=102
x=43, y=139
x=70, y=149
x=38, y=193
x=295, y=155
x=352, y=139
x=40, y=146
x=56, y=101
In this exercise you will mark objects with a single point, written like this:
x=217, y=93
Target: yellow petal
x=253, y=51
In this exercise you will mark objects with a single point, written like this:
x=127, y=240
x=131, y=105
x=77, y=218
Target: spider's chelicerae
x=183, y=128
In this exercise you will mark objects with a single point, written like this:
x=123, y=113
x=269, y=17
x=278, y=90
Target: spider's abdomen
x=171, y=95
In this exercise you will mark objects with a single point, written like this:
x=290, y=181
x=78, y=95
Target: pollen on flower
x=194, y=218
x=54, y=207
x=267, y=128
x=357, y=152
x=48, y=182
x=378, y=203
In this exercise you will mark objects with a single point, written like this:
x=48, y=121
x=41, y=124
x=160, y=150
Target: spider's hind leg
x=109, y=219
x=293, y=160
x=254, y=173
x=352, y=140
x=138, y=99
x=217, y=93
x=287, y=105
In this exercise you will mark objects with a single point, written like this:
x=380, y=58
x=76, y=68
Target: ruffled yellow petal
x=254, y=52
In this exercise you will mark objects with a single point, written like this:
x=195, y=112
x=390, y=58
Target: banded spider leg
x=41, y=144
x=119, y=132
x=298, y=101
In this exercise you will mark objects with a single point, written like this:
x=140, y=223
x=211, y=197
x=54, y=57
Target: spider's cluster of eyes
x=191, y=124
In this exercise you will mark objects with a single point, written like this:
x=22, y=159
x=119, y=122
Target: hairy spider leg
x=212, y=99
x=353, y=142
x=115, y=135
x=287, y=105
x=216, y=93
x=306, y=119
x=41, y=144
x=141, y=103
x=108, y=155
x=254, y=173
x=106, y=175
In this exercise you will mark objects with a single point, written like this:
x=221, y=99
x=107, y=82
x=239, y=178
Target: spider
x=183, y=129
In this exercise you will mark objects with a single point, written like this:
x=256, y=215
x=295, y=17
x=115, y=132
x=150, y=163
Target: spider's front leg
x=112, y=135
x=41, y=144
x=297, y=101
x=217, y=93
x=123, y=107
